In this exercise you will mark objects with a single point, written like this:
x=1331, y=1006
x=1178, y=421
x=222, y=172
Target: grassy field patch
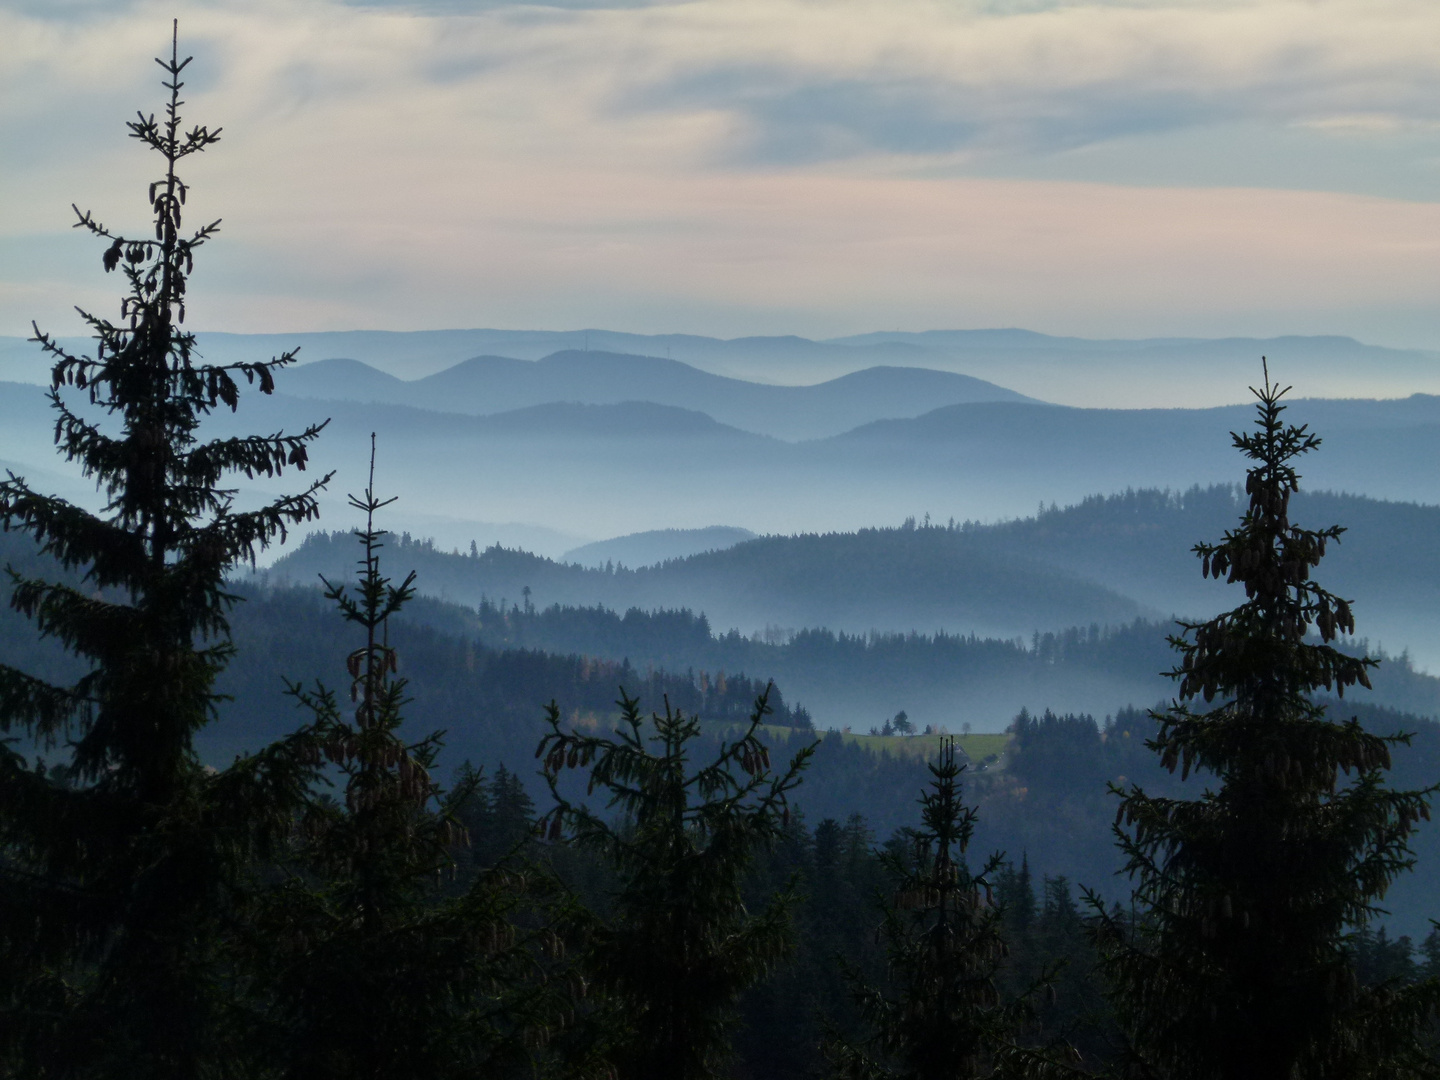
x=977, y=747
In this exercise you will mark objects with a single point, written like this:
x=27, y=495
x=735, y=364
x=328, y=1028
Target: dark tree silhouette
x=1237, y=961
x=371, y=967
x=120, y=848
x=941, y=1017
x=680, y=947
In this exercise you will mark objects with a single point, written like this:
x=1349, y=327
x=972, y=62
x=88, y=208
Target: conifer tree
x=1236, y=963
x=121, y=850
x=941, y=1018
x=679, y=947
x=370, y=968
x=514, y=813
x=1016, y=892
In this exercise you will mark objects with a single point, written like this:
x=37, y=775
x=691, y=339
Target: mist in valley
x=753, y=691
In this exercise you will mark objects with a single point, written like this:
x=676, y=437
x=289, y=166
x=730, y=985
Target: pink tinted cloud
x=831, y=253
x=551, y=168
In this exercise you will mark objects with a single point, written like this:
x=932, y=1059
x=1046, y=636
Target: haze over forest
x=600, y=457
x=723, y=685
x=574, y=446
x=872, y=535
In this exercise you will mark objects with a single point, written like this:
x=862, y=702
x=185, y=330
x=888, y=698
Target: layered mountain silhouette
x=1106, y=559
x=1076, y=371
x=579, y=444
x=596, y=470
x=486, y=385
x=657, y=546
x=1104, y=562
x=933, y=579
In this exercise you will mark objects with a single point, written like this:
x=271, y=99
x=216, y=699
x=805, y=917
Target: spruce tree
x=941, y=1016
x=1016, y=892
x=372, y=967
x=121, y=850
x=678, y=947
x=1236, y=963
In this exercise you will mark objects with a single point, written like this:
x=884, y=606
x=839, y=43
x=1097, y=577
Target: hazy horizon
x=1162, y=372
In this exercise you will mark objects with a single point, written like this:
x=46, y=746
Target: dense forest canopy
x=1106, y=559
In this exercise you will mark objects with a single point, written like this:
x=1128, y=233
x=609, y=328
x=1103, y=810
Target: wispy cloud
x=734, y=165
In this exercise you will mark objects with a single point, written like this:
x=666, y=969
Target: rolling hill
x=930, y=579
x=1105, y=560
x=1129, y=373
x=657, y=546
x=585, y=471
x=484, y=385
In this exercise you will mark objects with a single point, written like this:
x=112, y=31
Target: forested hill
x=657, y=545
x=483, y=676
x=844, y=679
x=1139, y=544
x=1048, y=799
x=1105, y=560
x=894, y=579
x=944, y=680
x=593, y=471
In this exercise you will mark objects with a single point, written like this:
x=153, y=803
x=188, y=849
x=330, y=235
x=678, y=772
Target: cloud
x=814, y=80
x=850, y=78
x=472, y=7
x=788, y=121
x=744, y=165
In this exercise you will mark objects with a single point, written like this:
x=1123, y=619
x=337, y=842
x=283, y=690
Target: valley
x=587, y=521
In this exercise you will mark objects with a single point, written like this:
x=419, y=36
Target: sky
x=737, y=167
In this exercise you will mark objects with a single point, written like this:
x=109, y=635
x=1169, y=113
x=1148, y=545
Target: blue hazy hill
x=657, y=546
x=485, y=385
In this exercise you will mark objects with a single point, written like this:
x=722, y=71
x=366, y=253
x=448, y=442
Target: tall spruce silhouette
x=372, y=967
x=119, y=846
x=941, y=1016
x=679, y=947
x=1236, y=963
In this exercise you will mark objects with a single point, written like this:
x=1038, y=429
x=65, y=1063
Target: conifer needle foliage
x=679, y=947
x=941, y=1017
x=119, y=848
x=1237, y=962
x=373, y=968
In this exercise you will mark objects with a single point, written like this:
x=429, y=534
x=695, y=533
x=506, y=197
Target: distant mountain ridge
x=606, y=470
x=935, y=579
x=1387, y=561
x=1106, y=560
x=1384, y=449
x=657, y=546
x=1129, y=373
x=486, y=385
